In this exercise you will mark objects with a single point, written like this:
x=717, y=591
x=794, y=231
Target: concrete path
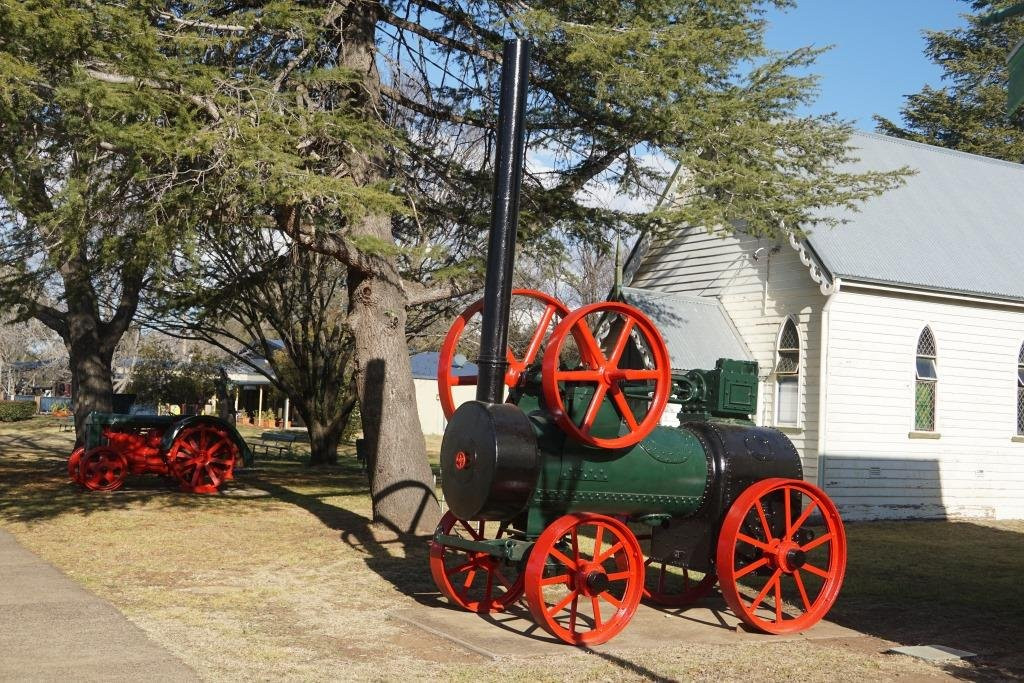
x=52, y=629
x=514, y=633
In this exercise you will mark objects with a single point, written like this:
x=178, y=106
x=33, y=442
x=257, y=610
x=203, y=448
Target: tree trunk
x=401, y=483
x=92, y=386
x=324, y=436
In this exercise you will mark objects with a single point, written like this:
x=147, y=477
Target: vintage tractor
x=199, y=452
x=563, y=487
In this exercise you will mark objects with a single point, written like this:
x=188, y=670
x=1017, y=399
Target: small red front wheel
x=585, y=578
x=781, y=555
x=475, y=581
x=102, y=469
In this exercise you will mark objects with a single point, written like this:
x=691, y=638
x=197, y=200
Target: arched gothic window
x=787, y=375
x=927, y=378
x=1020, y=391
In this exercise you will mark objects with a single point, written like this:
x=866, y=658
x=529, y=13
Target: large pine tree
x=363, y=129
x=968, y=112
x=91, y=175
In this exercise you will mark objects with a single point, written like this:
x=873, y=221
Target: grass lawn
x=284, y=577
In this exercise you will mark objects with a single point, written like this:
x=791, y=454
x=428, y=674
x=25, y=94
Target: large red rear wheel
x=102, y=469
x=635, y=380
x=475, y=581
x=202, y=458
x=547, y=310
x=780, y=573
x=584, y=578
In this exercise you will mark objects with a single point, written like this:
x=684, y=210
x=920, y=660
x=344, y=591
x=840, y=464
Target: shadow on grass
x=400, y=559
x=947, y=583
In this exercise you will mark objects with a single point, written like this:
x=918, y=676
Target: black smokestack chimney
x=501, y=245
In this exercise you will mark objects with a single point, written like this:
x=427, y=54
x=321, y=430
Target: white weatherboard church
x=890, y=349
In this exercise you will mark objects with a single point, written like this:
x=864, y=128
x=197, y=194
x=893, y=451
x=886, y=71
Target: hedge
x=13, y=411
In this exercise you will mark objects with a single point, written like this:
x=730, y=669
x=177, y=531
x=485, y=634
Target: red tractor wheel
x=611, y=372
x=553, y=309
x=102, y=469
x=202, y=458
x=474, y=581
x=778, y=574
x=73, y=461
x=585, y=578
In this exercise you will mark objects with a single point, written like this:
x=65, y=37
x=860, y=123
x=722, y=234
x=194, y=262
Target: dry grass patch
x=285, y=578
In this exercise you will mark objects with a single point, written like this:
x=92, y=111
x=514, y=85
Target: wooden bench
x=279, y=443
x=66, y=425
x=270, y=448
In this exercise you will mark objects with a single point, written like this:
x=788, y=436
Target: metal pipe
x=501, y=245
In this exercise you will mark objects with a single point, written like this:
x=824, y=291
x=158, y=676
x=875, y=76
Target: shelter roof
x=697, y=330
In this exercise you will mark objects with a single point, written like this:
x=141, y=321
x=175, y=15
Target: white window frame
x=1016, y=394
x=777, y=384
x=914, y=380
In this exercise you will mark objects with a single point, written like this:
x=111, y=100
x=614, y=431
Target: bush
x=15, y=411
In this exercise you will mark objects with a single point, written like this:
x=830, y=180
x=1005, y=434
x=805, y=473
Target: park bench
x=277, y=443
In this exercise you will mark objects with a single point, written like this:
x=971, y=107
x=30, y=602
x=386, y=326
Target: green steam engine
x=564, y=488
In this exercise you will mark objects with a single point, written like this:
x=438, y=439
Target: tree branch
x=119, y=79
x=389, y=17
x=195, y=23
x=49, y=316
x=404, y=100
x=331, y=16
x=418, y=295
x=458, y=16
x=132, y=281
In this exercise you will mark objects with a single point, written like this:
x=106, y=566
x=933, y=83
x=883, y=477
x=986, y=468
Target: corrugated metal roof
x=696, y=329
x=424, y=365
x=957, y=225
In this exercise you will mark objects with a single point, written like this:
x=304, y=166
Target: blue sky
x=878, y=54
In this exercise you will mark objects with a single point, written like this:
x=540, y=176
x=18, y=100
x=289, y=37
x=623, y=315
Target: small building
x=428, y=402
x=891, y=348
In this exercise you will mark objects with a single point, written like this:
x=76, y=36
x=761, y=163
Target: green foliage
x=161, y=377
x=16, y=411
x=969, y=112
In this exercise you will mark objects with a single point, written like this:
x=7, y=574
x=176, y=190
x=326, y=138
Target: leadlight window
x=1020, y=391
x=787, y=375
x=927, y=377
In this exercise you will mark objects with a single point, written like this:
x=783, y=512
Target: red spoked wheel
x=202, y=458
x=73, y=461
x=553, y=309
x=780, y=574
x=642, y=376
x=102, y=469
x=474, y=581
x=585, y=578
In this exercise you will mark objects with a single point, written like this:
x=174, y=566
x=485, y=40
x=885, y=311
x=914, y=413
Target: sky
x=878, y=54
